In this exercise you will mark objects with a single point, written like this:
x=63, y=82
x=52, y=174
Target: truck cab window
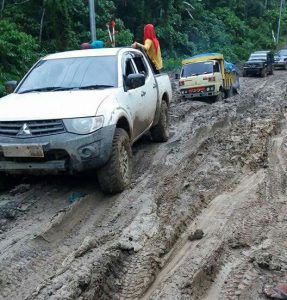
x=216, y=68
x=141, y=66
x=129, y=68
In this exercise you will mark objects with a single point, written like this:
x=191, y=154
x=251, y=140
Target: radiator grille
x=31, y=128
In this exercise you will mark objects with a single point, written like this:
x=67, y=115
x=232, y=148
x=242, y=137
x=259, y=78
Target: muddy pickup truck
x=81, y=110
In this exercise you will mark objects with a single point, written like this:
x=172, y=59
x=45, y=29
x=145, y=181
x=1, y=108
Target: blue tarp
x=229, y=66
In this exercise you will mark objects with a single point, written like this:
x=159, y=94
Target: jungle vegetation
x=30, y=29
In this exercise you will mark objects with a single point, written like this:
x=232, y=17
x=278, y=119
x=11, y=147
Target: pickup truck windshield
x=71, y=73
x=197, y=69
x=258, y=57
x=282, y=53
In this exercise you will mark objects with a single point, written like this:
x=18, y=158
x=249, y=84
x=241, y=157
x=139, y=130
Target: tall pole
x=92, y=20
x=279, y=21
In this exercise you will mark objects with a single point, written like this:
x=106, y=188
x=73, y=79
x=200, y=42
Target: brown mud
x=222, y=174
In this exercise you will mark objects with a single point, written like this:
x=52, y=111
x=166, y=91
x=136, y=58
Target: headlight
x=84, y=125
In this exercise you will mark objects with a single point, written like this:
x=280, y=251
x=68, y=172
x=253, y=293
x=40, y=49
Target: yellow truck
x=208, y=75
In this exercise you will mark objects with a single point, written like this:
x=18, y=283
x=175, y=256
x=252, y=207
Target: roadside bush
x=18, y=51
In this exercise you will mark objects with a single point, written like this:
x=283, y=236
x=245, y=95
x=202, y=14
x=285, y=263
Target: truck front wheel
x=160, y=132
x=219, y=97
x=115, y=176
x=263, y=73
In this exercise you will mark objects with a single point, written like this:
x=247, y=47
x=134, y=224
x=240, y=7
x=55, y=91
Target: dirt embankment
x=205, y=217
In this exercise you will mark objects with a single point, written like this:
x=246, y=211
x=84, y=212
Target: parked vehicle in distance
x=208, y=75
x=280, y=59
x=81, y=110
x=260, y=63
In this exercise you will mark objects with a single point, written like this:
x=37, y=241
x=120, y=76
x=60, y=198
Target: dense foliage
x=31, y=28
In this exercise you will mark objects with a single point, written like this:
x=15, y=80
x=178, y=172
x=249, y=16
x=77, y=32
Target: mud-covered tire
x=115, y=176
x=230, y=93
x=160, y=132
x=263, y=73
x=219, y=97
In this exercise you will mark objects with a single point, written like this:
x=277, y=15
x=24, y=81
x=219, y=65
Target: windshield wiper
x=44, y=89
x=60, y=88
x=95, y=86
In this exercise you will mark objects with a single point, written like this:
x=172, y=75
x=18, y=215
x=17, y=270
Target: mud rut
x=223, y=171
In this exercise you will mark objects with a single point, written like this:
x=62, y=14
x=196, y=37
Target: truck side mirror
x=10, y=86
x=134, y=81
x=177, y=76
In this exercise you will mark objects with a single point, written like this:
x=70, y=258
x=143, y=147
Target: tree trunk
x=41, y=25
x=2, y=8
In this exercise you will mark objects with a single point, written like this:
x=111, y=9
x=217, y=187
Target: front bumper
x=255, y=71
x=199, y=95
x=187, y=94
x=279, y=64
x=65, y=152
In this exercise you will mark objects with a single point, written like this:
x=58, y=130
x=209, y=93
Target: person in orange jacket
x=152, y=47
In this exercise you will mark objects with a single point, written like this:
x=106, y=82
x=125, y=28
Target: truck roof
x=84, y=53
x=261, y=52
x=203, y=57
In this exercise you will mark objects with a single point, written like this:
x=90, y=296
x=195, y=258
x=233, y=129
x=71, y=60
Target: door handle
x=143, y=93
x=154, y=85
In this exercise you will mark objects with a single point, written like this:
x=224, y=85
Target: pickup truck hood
x=256, y=62
x=52, y=105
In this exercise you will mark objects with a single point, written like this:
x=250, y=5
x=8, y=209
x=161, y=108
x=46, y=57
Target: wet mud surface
x=205, y=217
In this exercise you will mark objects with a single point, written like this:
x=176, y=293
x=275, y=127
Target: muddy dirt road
x=205, y=218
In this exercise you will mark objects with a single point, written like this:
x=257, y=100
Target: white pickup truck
x=82, y=110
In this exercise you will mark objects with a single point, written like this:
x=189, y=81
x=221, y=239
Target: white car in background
x=280, y=59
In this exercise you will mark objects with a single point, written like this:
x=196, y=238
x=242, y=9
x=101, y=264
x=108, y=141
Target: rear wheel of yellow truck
x=230, y=93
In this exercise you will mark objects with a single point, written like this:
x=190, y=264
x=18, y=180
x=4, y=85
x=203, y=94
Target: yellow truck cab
x=208, y=75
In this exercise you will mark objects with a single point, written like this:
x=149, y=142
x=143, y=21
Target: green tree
x=18, y=51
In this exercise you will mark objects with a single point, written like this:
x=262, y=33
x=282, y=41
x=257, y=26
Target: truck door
x=218, y=75
x=149, y=91
x=134, y=100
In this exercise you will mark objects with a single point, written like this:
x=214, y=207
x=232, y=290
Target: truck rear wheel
x=230, y=93
x=115, y=176
x=160, y=132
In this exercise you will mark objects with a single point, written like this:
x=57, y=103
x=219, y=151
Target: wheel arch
x=124, y=124
x=165, y=97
